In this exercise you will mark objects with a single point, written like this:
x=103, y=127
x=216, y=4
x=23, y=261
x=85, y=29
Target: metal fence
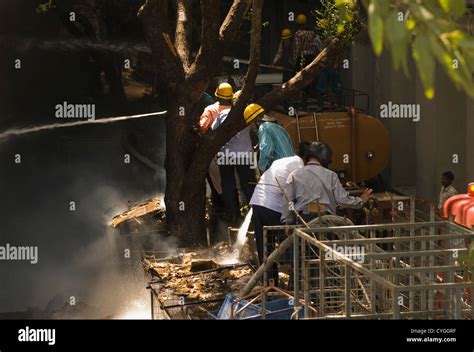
x=390, y=271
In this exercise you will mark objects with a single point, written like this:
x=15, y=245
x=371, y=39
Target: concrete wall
x=376, y=77
x=450, y=136
x=422, y=150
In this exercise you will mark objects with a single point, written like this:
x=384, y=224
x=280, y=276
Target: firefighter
x=315, y=190
x=237, y=156
x=284, y=55
x=274, y=142
x=224, y=94
x=307, y=45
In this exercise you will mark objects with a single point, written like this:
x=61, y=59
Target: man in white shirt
x=447, y=190
x=314, y=189
x=236, y=156
x=268, y=199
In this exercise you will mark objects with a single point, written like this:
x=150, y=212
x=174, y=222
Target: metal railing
x=344, y=272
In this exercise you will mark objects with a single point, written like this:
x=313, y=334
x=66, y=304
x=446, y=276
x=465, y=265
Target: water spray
x=76, y=45
x=26, y=130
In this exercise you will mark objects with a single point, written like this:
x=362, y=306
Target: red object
x=461, y=208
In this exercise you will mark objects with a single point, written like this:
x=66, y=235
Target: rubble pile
x=198, y=275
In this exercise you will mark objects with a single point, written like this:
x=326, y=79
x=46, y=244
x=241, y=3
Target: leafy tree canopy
x=431, y=30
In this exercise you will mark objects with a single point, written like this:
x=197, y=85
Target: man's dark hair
x=303, y=148
x=449, y=174
x=321, y=152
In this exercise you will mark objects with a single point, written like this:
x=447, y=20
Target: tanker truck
x=361, y=151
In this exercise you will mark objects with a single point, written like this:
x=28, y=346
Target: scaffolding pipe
x=266, y=265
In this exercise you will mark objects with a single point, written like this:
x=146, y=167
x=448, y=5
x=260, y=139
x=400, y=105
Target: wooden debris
x=203, y=264
x=196, y=277
x=136, y=211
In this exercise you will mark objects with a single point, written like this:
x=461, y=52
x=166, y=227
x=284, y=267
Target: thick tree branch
x=214, y=39
x=303, y=78
x=233, y=20
x=207, y=54
x=254, y=64
x=153, y=15
x=184, y=29
x=212, y=142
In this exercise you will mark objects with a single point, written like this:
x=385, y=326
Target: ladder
x=314, y=126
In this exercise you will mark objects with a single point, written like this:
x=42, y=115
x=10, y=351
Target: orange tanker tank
x=360, y=143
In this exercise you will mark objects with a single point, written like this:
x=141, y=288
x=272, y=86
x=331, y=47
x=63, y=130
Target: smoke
x=81, y=258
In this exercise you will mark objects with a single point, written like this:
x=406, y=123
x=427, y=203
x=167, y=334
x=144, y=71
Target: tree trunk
x=185, y=195
x=185, y=209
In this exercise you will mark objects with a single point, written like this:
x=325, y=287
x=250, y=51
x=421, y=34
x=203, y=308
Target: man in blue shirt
x=274, y=143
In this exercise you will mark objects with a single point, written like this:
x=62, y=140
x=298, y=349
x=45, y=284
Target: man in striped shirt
x=274, y=143
x=307, y=43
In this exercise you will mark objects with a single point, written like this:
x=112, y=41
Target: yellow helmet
x=252, y=112
x=286, y=33
x=301, y=19
x=224, y=91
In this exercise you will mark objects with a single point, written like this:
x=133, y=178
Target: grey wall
x=376, y=77
x=420, y=151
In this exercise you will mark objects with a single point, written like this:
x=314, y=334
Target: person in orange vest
x=224, y=94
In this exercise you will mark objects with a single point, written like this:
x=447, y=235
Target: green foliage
x=45, y=7
x=342, y=22
x=430, y=29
